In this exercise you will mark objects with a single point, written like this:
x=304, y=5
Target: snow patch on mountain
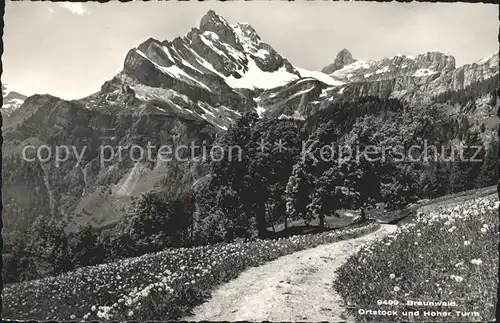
x=295, y=116
x=493, y=57
x=424, y=72
x=256, y=78
x=320, y=76
x=167, y=51
x=174, y=71
x=384, y=69
x=260, y=111
x=347, y=70
x=210, y=44
x=247, y=38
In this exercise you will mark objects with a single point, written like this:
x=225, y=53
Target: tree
x=467, y=163
x=39, y=252
x=245, y=194
x=488, y=174
x=297, y=193
x=86, y=248
x=152, y=224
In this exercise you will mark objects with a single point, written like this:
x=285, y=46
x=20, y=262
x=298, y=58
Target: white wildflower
x=476, y=262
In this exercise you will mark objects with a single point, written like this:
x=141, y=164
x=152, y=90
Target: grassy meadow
x=447, y=253
x=164, y=285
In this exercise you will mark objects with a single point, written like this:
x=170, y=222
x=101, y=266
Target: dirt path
x=296, y=287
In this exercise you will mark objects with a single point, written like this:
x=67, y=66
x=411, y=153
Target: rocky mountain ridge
x=415, y=80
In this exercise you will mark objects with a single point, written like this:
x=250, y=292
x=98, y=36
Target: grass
x=160, y=286
x=407, y=213
x=447, y=253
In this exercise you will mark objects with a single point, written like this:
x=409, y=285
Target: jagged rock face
x=298, y=99
x=214, y=73
x=96, y=192
x=344, y=57
x=413, y=79
x=215, y=68
x=415, y=71
x=479, y=71
x=211, y=22
x=396, y=66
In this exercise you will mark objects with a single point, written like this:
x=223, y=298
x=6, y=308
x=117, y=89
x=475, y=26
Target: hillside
x=281, y=272
x=180, y=278
x=447, y=254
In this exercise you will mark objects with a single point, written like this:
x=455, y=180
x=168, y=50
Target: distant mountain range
x=11, y=100
x=190, y=89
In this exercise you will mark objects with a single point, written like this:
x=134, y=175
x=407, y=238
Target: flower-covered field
x=447, y=254
x=160, y=286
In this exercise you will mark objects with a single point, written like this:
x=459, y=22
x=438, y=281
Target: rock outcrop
x=344, y=57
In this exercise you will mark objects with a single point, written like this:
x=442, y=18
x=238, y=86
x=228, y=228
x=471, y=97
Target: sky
x=71, y=49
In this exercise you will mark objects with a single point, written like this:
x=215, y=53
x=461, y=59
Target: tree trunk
x=322, y=221
x=260, y=219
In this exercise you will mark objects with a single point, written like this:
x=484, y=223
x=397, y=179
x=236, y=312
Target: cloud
x=76, y=8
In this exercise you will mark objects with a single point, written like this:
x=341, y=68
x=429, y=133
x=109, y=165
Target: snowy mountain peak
x=213, y=23
x=211, y=17
x=347, y=69
x=12, y=100
x=212, y=73
x=221, y=69
x=217, y=48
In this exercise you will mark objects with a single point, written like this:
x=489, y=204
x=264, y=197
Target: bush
x=153, y=224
